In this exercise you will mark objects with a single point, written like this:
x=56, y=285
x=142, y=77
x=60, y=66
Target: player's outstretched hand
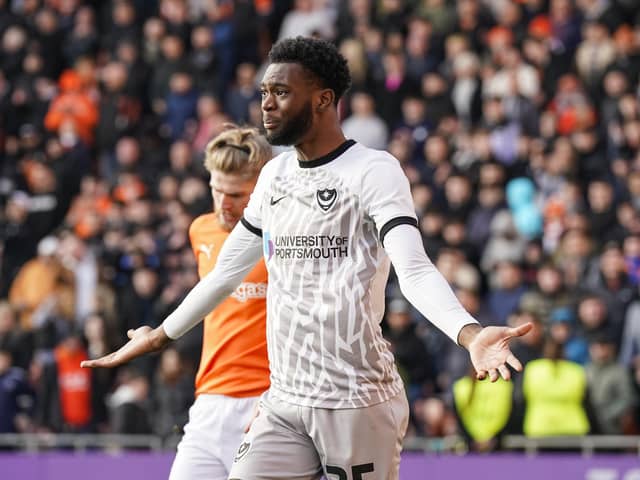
x=490, y=353
x=141, y=340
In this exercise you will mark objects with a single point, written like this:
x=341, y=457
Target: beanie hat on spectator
x=540, y=27
x=562, y=315
x=70, y=81
x=48, y=246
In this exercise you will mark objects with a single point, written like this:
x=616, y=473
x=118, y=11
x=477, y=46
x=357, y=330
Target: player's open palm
x=141, y=340
x=490, y=353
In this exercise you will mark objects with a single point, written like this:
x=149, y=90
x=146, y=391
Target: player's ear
x=324, y=100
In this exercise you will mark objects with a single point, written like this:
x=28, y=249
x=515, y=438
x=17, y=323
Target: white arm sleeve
x=240, y=252
x=421, y=282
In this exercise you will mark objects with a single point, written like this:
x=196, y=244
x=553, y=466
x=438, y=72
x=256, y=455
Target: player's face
x=231, y=192
x=287, y=114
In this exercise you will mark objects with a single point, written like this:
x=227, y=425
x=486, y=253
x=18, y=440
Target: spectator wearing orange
x=72, y=106
x=41, y=285
x=65, y=391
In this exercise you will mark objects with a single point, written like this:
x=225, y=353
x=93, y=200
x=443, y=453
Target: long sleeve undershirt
x=421, y=282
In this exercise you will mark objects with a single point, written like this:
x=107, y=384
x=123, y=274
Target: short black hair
x=319, y=57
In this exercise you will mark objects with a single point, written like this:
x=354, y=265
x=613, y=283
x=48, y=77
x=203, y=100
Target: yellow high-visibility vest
x=484, y=409
x=554, y=392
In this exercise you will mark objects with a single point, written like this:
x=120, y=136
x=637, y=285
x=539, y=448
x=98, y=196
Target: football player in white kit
x=329, y=218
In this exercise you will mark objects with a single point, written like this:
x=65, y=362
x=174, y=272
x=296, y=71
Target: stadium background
x=516, y=121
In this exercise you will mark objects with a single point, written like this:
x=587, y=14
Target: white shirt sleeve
x=387, y=195
x=422, y=284
x=240, y=252
x=252, y=215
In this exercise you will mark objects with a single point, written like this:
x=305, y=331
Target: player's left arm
x=387, y=195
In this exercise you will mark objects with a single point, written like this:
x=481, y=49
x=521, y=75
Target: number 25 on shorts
x=357, y=471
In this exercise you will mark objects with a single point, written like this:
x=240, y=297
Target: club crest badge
x=326, y=198
x=242, y=451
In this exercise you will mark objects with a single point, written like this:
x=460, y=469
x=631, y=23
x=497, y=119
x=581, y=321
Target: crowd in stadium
x=517, y=123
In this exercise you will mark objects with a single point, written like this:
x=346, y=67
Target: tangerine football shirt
x=234, y=351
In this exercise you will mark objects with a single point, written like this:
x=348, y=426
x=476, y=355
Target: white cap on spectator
x=48, y=246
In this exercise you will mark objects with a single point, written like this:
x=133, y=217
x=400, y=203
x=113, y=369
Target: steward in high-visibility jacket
x=555, y=392
x=483, y=408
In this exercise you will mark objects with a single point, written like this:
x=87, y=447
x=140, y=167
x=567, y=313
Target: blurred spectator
x=419, y=49
x=548, y=293
x=554, y=393
x=242, y=93
x=611, y=391
x=13, y=339
x=529, y=346
x=18, y=238
x=610, y=278
x=363, y=125
x=563, y=330
x=83, y=39
x=16, y=396
x=172, y=394
x=353, y=50
x=14, y=40
x=65, y=393
x=408, y=349
x=490, y=202
x=119, y=114
x=204, y=60
x=211, y=119
x=72, y=112
x=595, y=53
x=43, y=283
x=173, y=60
x=124, y=24
x=483, y=409
x=467, y=88
x=392, y=88
x=78, y=258
x=504, y=243
x=129, y=408
x=507, y=290
x=154, y=30
x=436, y=93
x=308, y=18
x=180, y=104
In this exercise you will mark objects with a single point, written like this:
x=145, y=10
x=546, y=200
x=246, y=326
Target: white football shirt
x=322, y=224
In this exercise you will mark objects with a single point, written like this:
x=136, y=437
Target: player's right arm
x=238, y=256
x=388, y=196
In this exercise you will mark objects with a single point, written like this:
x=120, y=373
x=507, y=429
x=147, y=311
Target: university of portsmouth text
x=311, y=246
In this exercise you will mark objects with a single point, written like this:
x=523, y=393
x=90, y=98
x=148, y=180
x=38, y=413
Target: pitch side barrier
x=586, y=445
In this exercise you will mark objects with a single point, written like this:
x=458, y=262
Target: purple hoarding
x=520, y=467
x=138, y=466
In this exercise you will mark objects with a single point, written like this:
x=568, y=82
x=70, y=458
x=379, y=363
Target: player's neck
x=322, y=141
